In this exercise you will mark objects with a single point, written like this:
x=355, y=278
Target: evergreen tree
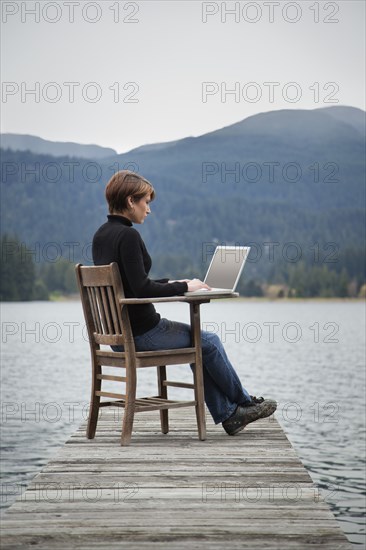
x=17, y=272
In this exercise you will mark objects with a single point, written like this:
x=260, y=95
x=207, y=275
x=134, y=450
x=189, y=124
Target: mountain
x=349, y=115
x=20, y=142
x=156, y=146
x=276, y=178
x=310, y=159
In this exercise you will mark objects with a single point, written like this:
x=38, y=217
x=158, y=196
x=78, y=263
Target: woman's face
x=140, y=210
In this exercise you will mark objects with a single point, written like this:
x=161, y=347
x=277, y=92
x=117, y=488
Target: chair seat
x=147, y=358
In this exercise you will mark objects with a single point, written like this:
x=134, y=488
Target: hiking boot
x=244, y=414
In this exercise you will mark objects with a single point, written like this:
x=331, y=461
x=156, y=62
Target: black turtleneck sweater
x=117, y=241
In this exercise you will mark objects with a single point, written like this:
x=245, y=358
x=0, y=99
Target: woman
x=129, y=196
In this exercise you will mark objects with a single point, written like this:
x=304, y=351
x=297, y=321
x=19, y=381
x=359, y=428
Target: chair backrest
x=100, y=290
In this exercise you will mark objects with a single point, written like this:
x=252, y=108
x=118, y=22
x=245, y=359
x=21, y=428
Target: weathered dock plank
x=173, y=491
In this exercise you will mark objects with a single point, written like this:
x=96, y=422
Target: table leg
x=198, y=370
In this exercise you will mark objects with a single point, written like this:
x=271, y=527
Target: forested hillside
x=290, y=183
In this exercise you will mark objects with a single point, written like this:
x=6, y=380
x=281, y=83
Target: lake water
x=310, y=356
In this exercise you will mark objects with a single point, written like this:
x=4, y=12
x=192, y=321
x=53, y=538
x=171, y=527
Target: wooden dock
x=173, y=491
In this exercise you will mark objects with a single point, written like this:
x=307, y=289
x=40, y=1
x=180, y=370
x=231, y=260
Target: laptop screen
x=226, y=266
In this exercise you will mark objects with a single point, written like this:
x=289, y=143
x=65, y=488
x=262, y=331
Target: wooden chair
x=107, y=320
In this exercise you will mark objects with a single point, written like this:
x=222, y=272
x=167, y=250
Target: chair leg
x=94, y=403
x=130, y=403
x=163, y=393
x=198, y=371
x=127, y=423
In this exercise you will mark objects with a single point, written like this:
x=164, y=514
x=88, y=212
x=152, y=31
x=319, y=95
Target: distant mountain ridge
x=34, y=144
x=271, y=122
x=315, y=123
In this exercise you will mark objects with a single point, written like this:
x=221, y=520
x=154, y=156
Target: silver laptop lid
x=226, y=266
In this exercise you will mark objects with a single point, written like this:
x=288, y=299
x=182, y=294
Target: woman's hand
x=196, y=284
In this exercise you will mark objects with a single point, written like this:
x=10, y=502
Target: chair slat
x=110, y=394
x=116, y=324
x=94, y=309
x=107, y=310
x=152, y=400
x=90, y=303
x=110, y=377
x=102, y=315
x=166, y=405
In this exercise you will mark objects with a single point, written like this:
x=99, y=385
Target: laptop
x=224, y=271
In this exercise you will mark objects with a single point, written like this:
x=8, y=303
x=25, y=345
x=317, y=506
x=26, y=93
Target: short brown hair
x=125, y=184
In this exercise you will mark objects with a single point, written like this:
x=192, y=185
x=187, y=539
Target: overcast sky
x=144, y=72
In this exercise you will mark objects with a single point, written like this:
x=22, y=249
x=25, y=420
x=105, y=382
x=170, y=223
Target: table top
x=189, y=299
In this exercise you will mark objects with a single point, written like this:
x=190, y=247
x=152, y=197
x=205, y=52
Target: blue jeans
x=223, y=389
